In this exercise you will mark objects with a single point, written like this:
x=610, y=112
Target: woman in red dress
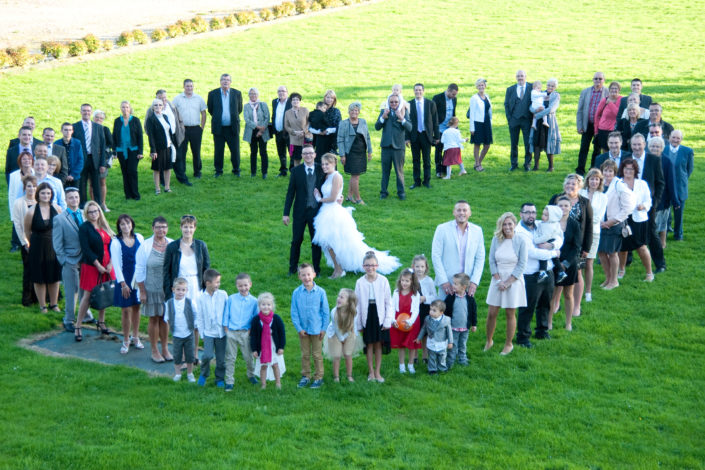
x=96, y=267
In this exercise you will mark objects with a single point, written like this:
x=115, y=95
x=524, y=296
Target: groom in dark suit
x=303, y=180
x=92, y=139
x=224, y=106
x=423, y=134
x=517, y=100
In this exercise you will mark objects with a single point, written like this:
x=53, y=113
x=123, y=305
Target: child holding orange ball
x=405, y=300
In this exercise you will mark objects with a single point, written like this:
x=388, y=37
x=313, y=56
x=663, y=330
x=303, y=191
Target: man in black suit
x=644, y=100
x=423, y=134
x=92, y=139
x=614, y=143
x=28, y=122
x=224, y=106
x=651, y=171
x=517, y=101
x=446, y=103
x=48, y=135
x=23, y=143
x=280, y=105
x=642, y=127
x=394, y=122
x=303, y=180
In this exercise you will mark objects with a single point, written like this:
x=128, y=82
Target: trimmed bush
x=158, y=35
x=246, y=17
x=19, y=56
x=199, y=25
x=174, y=30
x=37, y=58
x=77, y=48
x=126, y=38
x=92, y=43
x=108, y=45
x=5, y=59
x=266, y=14
x=302, y=6
x=217, y=23
x=230, y=20
x=185, y=27
x=54, y=49
x=140, y=36
x=315, y=6
x=285, y=9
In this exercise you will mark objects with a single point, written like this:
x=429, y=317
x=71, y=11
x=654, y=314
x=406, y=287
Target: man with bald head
x=682, y=158
x=585, y=120
x=517, y=101
x=280, y=105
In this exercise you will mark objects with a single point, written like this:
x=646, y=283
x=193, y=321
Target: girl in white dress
x=336, y=230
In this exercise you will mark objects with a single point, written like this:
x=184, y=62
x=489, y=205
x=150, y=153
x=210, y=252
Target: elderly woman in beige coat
x=256, y=115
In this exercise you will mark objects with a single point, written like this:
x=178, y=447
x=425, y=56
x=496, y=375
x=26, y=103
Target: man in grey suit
x=58, y=151
x=92, y=140
x=585, y=120
x=517, y=100
x=394, y=122
x=682, y=158
x=68, y=252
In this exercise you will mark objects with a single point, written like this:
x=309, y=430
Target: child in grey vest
x=439, y=335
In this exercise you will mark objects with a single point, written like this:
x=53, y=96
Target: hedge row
x=20, y=56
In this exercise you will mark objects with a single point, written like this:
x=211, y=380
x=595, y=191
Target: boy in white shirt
x=209, y=321
x=179, y=316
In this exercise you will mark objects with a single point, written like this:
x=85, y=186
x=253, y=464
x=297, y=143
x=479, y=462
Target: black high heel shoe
x=77, y=334
x=100, y=326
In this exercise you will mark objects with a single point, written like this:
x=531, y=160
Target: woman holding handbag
x=96, y=268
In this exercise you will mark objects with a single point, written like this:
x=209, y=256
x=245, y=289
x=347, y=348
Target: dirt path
x=30, y=22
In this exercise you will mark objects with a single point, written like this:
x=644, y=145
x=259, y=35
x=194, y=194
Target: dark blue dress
x=128, y=271
x=483, y=130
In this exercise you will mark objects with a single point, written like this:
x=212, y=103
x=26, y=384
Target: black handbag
x=103, y=294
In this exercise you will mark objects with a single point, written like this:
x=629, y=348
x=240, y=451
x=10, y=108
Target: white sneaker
x=411, y=369
x=177, y=378
x=402, y=369
x=588, y=297
x=191, y=378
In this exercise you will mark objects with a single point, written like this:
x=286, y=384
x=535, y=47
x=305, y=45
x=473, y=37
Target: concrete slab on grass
x=98, y=348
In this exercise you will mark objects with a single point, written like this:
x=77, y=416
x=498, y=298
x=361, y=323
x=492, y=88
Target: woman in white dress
x=508, y=254
x=598, y=200
x=336, y=230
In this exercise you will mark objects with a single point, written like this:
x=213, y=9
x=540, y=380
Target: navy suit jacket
x=605, y=156
x=297, y=192
x=440, y=100
x=98, y=148
x=683, y=168
x=517, y=109
x=74, y=157
x=215, y=109
x=273, y=130
x=430, y=116
x=642, y=127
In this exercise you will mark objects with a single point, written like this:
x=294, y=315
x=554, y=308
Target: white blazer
x=446, y=256
x=477, y=110
x=116, y=258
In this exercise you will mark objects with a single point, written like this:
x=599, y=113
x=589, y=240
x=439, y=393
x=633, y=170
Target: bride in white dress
x=336, y=230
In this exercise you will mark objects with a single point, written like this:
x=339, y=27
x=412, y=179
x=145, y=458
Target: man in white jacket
x=458, y=246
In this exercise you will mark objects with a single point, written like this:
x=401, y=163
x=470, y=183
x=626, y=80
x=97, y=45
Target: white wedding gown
x=336, y=229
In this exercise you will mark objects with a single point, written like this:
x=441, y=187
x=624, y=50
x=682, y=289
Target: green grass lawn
x=624, y=390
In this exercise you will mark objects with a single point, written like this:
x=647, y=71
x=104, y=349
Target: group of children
x=228, y=323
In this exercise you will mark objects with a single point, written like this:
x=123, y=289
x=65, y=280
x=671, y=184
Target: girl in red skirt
x=452, y=143
x=406, y=299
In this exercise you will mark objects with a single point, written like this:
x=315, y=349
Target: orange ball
x=401, y=322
